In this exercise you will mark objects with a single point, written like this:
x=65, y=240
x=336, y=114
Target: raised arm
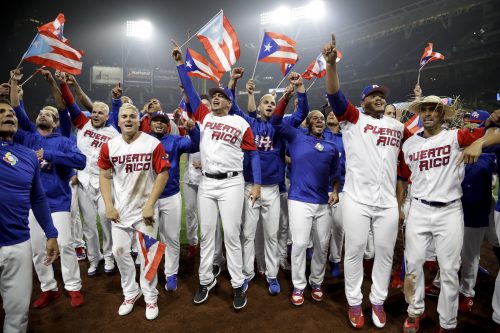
x=82, y=96
x=251, y=105
x=54, y=89
x=24, y=121
x=116, y=104
x=68, y=155
x=192, y=144
x=76, y=115
x=284, y=129
x=303, y=106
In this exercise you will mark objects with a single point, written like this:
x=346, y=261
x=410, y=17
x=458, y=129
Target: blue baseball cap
x=160, y=114
x=372, y=89
x=478, y=116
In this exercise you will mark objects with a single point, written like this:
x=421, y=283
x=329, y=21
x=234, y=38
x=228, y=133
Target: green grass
x=183, y=237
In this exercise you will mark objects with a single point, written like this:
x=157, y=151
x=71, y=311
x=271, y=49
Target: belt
x=435, y=203
x=224, y=175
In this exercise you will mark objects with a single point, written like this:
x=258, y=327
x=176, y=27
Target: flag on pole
x=278, y=48
x=56, y=28
x=198, y=66
x=220, y=41
x=429, y=56
x=317, y=68
x=413, y=124
x=186, y=114
x=152, y=251
x=286, y=68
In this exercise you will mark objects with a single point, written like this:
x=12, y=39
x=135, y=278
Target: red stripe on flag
x=150, y=275
x=53, y=64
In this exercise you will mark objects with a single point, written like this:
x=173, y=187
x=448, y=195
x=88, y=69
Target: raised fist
x=295, y=79
x=15, y=75
x=237, y=73
x=47, y=75
x=250, y=87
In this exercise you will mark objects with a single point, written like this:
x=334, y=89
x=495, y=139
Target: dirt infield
x=263, y=313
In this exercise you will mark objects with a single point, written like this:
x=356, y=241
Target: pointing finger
x=334, y=42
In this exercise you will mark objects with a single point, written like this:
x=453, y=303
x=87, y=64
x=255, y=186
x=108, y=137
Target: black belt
x=220, y=175
x=435, y=203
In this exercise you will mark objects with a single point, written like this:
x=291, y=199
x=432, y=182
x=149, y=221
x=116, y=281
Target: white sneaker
x=109, y=265
x=128, y=305
x=151, y=311
x=93, y=268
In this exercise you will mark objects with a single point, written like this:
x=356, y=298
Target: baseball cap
x=161, y=115
x=220, y=90
x=372, y=89
x=478, y=116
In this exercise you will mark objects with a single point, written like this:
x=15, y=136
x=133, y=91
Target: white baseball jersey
x=371, y=149
x=134, y=167
x=432, y=163
x=90, y=140
x=222, y=141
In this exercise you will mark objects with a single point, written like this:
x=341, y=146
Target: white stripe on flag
x=281, y=54
x=229, y=43
x=282, y=42
x=62, y=60
x=220, y=54
x=204, y=68
x=61, y=45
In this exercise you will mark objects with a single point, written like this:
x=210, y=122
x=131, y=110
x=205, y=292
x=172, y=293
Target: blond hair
x=128, y=106
x=101, y=105
x=53, y=111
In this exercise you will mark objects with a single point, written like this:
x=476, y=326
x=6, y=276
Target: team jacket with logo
x=432, y=163
x=223, y=139
x=134, y=167
x=21, y=191
x=372, y=147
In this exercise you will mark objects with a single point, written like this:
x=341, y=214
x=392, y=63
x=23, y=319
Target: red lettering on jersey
x=131, y=167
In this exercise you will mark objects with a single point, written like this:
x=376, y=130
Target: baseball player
x=192, y=178
x=21, y=191
x=224, y=139
x=76, y=221
x=267, y=208
x=58, y=157
x=308, y=197
x=433, y=158
x=372, y=144
x=170, y=202
x=140, y=173
x=92, y=134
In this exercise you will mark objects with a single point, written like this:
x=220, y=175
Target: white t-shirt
x=134, y=167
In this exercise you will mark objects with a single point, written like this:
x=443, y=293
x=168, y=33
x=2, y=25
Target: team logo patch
x=319, y=147
x=10, y=158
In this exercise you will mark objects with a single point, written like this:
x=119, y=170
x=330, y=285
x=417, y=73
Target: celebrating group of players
x=346, y=182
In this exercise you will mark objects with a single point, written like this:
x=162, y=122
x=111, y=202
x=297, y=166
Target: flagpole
x=312, y=83
x=256, y=61
x=418, y=77
x=32, y=75
x=279, y=84
x=200, y=29
x=22, y=58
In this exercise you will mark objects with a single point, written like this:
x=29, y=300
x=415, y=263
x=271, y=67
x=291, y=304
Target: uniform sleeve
x=69, y=155
x=64, y=123
x=160, y=159
x=466, y=136
x=116, y=104
x=104, y=162
x=335, y=166
x=248, y=141
x=40, y=205
x=302, y=111
x=404, y=172
x=343, y=109
x=199, y=109
x=256, y=167
x=23, y=120
x=192, y=144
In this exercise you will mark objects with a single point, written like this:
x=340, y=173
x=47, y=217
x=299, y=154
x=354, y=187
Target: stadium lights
x=139, y=29
x=313, y=11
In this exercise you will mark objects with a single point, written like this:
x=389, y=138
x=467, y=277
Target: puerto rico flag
x=198, y=66
x=56, y=28
x=152, y=251
x=429, y=56
x=413, y=124
x=220, y=41
x=317, y=68
x=278, y=48
x=187, y=114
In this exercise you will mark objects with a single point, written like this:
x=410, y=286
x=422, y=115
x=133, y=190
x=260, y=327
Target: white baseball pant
x=122, y=241
x=370, y=246
x=445, y=226
x=309, y=219
x=226, y=197
x=16, y=283
x=284, y=237
x=357, y=220
x=69, y=262
x=337, y=238
x=92, y=205
x=267, y=208
x=169, y=209
x=76, y=221
x=190, y=192
x=495, y=302
x=218, y=253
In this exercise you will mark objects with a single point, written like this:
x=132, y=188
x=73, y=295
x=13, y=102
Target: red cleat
x=412, y=324
x=76, y=298
x=356, y=317
x=465, y=303
x=45, y=298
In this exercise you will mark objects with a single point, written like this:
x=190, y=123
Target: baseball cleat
x=216, y=269
x=76, y=298
x=412, y=324
x=298, y=297
x=45, y=298
x=128, y=304
x=378, y=315
x=356, y=317
x=316, y=292
x=109, y=266
x=465, y=303
x=152, y=311
x=432, y=290
x=80, y=253
x=239, y=300
x=335, y=269
x=274, y=286
x=171, y=284
x=202, y=292
x=245, y=285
